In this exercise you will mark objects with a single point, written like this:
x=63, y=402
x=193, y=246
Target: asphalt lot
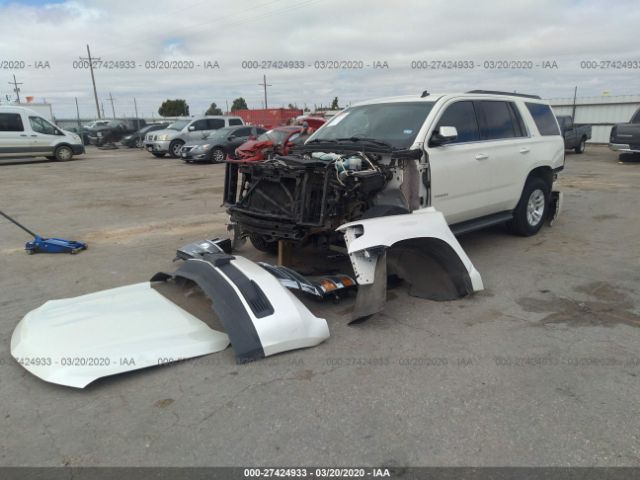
x=542, y=368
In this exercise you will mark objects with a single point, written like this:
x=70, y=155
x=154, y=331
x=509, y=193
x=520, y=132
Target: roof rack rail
x=494, y=92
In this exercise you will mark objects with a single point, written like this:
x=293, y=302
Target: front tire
x=532, y=208
x=175, y=147
x=217, y=155
x=63, y=153
x=262, y=244
x=581, y=146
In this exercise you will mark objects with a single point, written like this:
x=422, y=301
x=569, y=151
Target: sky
x=548, y=47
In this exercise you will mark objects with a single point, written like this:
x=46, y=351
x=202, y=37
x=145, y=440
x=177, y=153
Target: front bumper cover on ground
x=75, y=341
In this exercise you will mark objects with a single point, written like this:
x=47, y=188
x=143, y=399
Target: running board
x=480, y=223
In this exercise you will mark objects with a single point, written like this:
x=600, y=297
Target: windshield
x=179, y=125
x=276, y=136
x=394, y=123
x=636, y=117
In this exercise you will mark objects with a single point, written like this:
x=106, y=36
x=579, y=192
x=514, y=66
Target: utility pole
x=78, y=118
x=573, y=115
x=135, y=108
x=227, y=102
x=93, y=80
x=265, y=85
x=113, y=109
x=15, y=87
x=102, y=108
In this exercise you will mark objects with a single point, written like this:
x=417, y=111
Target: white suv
x=479, y=158
x=171, y=139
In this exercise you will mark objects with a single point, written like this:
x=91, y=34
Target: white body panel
x=386, y=231
x=78, y=340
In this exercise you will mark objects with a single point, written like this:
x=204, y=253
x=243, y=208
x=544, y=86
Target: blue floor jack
x=47, y=245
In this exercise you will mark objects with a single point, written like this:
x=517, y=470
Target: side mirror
x=191, y=128
x=443, y=135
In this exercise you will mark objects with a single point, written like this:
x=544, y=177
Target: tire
x=217, y=155
x=139, y=143
x=581, y=146
x=158, y=154
x=532, y=209
x=262, y=244
x=174, y=148
x=63, y=153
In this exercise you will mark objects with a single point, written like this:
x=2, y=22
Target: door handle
x=524, y=150
x=23, y=134
x=34, y=135
x=482, y=156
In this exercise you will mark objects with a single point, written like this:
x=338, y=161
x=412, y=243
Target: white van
x=23, y=132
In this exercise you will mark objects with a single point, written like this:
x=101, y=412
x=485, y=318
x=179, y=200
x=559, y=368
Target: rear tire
x=63, y=153
x=532, y=209
x=262, y=244
x=581, y=146
x=174, y=148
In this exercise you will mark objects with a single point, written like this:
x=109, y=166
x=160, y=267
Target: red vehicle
x=276, y=141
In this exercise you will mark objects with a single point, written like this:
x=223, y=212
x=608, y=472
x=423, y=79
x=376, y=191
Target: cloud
x=148, y=33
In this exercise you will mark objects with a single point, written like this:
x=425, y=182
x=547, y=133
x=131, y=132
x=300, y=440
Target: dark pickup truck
x=625, y=137
x=101, y=133
x=575, y=136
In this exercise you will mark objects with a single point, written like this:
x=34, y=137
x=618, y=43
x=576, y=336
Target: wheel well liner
x=432, y=268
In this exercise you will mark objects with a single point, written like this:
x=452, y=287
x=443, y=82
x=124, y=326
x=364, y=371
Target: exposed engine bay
x=311, y=192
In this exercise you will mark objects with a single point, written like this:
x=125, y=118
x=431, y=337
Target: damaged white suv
x=480, y=158
x=395, y=179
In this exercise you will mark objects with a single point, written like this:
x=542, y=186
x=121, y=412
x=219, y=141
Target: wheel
x=139, y=143
x=262, y=244
x=158, y=154
x=217, y=155
x=174, y=148
x=531, y=211
x=581, y=146
x=63, y=153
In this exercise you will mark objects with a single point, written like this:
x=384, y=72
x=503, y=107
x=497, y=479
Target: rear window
x=544, y=119
x=235, y=121
x=11, y=122
x=501, y=120
x=215, y=123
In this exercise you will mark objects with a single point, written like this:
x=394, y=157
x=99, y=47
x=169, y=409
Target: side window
x=260, y=131
x=235, y=121
x=543, y=118
x=461, y=115
x=215, y=123
x=243, y=132
x=200, y=125
x=42, y=126
x=11, y=122
x=636, y=117
x=499, y=120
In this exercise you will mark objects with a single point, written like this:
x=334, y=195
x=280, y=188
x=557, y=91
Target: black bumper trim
x=225, y=302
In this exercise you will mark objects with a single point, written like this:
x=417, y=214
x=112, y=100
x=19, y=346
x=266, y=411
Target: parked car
x=478, y=158
x=625, y=137
x=575, y=136
x=136, y=139
x=275, y=141
x=112, y=131
x=23, y=131
x=175, y=136
x=220, y=144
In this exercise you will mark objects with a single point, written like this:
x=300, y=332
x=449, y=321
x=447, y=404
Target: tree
x=174, y=108
x=213, y=110
x=334, y=104
x=239, y=104
x=292, y=107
